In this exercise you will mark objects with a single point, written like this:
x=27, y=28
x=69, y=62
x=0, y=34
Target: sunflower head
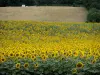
x=36, y=65
x=23, y=55
x=44, y=57
x=2, y=59
x=33, y=57
x=26, y=65
x=79, y=65
x=18, y=65
x=17, y=54
x=93, y=61
x=75, y=54
x=11, y=54
x=74, y=71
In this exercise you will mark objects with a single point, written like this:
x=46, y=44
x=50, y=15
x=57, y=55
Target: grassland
x=44, y=13
x=49, y=48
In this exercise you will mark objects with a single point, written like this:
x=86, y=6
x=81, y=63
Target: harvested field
x=44, y=13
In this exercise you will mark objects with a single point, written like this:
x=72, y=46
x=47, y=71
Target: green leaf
x=94, y=71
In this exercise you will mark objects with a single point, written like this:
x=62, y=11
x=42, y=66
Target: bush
x=93, y=15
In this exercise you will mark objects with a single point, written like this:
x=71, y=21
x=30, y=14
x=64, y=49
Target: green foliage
x=94, y=10
x=40, y=2
x=50, y=67
x=91, y=4
x=59, y=65
x=87, y=3
x=51, y=30
x=93, y=15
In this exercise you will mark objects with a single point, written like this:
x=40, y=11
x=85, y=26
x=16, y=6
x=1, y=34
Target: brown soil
x=44, y=13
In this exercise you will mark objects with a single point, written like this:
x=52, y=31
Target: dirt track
x=44, y=13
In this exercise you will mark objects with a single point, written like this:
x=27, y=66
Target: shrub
x=93, y=15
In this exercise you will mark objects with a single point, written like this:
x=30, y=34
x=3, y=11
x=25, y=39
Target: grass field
x=44, y=13
x=49, y=48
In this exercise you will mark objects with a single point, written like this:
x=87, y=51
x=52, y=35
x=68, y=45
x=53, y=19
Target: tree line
x=39, y=2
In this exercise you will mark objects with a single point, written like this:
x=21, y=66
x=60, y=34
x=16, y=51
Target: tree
x=93, y=15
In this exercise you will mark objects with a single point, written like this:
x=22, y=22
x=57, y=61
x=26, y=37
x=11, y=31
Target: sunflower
x=54, y=55
x=2, y=59
x=18, y=65
x=79, y=65
x=17, y=54
x=11, y=54
x=23, y=55
x=75, y=54
x=3, y=53
x=74, y=71
x=36, y=65
x=82, y=55
x=44, y=58
x=33, y=57
x=26, y=65
x=93, y=61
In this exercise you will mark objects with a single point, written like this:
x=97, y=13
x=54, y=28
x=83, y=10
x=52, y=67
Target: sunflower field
x=49, y=48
